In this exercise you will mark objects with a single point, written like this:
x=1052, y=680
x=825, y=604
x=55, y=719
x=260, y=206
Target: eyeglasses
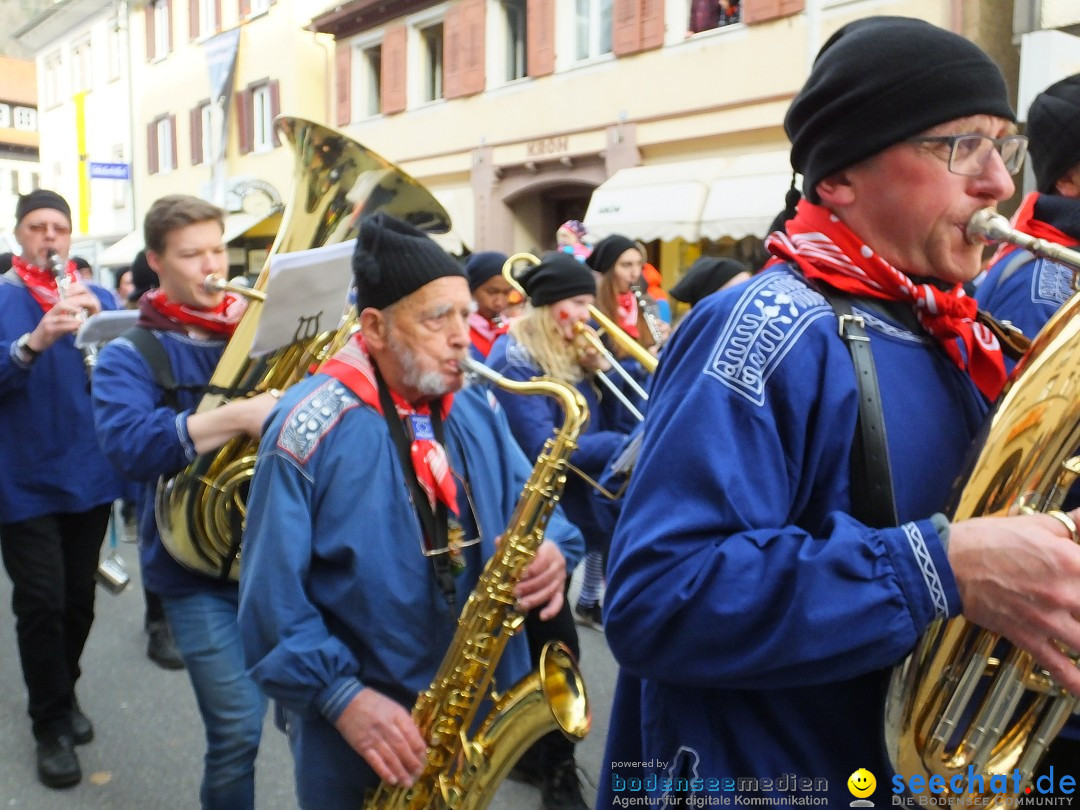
x=968, y=154
x=42, y=227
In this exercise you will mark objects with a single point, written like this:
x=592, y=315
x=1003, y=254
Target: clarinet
x=63, y=282
x=652, y=320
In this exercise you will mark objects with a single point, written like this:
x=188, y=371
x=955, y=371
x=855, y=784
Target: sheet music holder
x=306, y=293
x=105, y=326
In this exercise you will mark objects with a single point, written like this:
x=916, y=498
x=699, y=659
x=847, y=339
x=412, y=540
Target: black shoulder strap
x=160, y=366
x=873, y=501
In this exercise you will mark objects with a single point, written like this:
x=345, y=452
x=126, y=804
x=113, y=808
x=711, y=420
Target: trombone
x=590, y=336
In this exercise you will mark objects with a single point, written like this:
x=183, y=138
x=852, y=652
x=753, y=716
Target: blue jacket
x=146, y=439
x=533, y=420
x=755, y=620
x=335, y=594
x=49, y=454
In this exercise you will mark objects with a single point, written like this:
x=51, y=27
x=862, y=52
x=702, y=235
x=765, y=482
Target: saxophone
x=966, y=707
x=463, y=772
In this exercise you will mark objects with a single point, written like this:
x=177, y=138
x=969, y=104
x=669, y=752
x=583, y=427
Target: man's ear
x=154, y=260
x=374, y=327
x=836, y=189
x=1068, y=185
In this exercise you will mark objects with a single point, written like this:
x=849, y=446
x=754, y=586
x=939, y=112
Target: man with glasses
x=782, y=544
x=378, y=495
x=56, y=488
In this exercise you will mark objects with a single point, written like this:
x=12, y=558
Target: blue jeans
x=206, y=634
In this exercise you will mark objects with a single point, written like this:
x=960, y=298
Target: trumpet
x=58, y=267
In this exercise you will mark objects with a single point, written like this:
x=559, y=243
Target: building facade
x=20, y=171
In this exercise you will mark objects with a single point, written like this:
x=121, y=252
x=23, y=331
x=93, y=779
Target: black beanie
x=704, y=277
x=607, y=252
x=41, y=198
x=558, y=276
x=879, y=80
x=1053, y=130
x=479, y=267
x=394, y=259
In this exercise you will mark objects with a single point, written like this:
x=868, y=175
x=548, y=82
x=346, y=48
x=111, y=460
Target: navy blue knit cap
x=879, y=80
x=558, y=276
x=1053, y=129
x=479, y=267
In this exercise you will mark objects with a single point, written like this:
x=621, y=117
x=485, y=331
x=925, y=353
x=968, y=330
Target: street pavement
x=149, y=742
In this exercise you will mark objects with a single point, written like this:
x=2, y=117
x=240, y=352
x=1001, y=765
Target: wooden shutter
x=540, y=25
x=275, y=109
x=652, y=24
x=151, y=148
x=759, y=11
x=244, y=124
x=217, y=15
x=626, y=27
x=172, y=141
x=245, y=9
x=193, y=18
x=393, y=70
x=196, y=135
x=148, y=9
x=473, y=20
x=169, y=19
x=453, y=50
x=343, y=82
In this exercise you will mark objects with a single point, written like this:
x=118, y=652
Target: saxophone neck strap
x=433, y=521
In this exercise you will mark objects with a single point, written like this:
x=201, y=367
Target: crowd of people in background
x=759, y=540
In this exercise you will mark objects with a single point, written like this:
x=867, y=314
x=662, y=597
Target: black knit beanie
x=479, y=267
x=879, y=80
x=394, y=259
x=704, y=277
x=1053, y=130
x=607, y=252
x=41, y=198
x=558, y=276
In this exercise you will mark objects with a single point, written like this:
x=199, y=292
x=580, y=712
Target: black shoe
x=57, y=765
x=82, y=730
x=561, y=788
x=589, y=616
x=160, y=648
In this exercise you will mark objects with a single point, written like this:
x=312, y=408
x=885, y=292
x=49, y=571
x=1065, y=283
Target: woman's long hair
x=539, y=333
x=607, y=303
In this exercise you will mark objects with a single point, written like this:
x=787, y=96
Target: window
x=593, y=28
x=26, y=118
x=516, y=39
x=5, y=116
x=373, y=85
x=52, y=79
x=706, y=15
x=161, y=144
x=15, y=182
x=262, y=119
x=432, y=37
x=82, y=67
x=206, y=132
x=208, y=22
x=160, y=34
x=259, y=6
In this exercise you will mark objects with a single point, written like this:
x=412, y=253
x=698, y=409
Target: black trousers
x=51, y=561
x=553, y=748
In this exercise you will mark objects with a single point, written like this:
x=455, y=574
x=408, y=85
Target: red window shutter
x=393, y=70
x=453, y=50
x=169, y=17
x=652, y=24
x=275, y=110
x=148, y=10
x=244, y=124
x=151, y=148
x=217, y=15
x=193, y=18
x=790, y=7
x=172, y=140
x=196, y=135
x=540, y=16
x=626, y=27
x=473, y=31
x=245, y=9
x=343, y=82
x=758, y=11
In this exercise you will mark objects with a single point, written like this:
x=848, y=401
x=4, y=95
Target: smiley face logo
x=861, y=783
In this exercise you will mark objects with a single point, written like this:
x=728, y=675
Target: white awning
x=691, y=200
x=123, y=252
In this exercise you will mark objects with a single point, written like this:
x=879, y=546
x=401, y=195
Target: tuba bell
x=965, y=706
x=336, y=181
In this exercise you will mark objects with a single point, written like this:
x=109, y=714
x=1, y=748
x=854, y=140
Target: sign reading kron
x=547, y=146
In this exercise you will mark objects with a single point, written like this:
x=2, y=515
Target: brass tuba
x=336, y=181
x=965, y=702
x=463, y=772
